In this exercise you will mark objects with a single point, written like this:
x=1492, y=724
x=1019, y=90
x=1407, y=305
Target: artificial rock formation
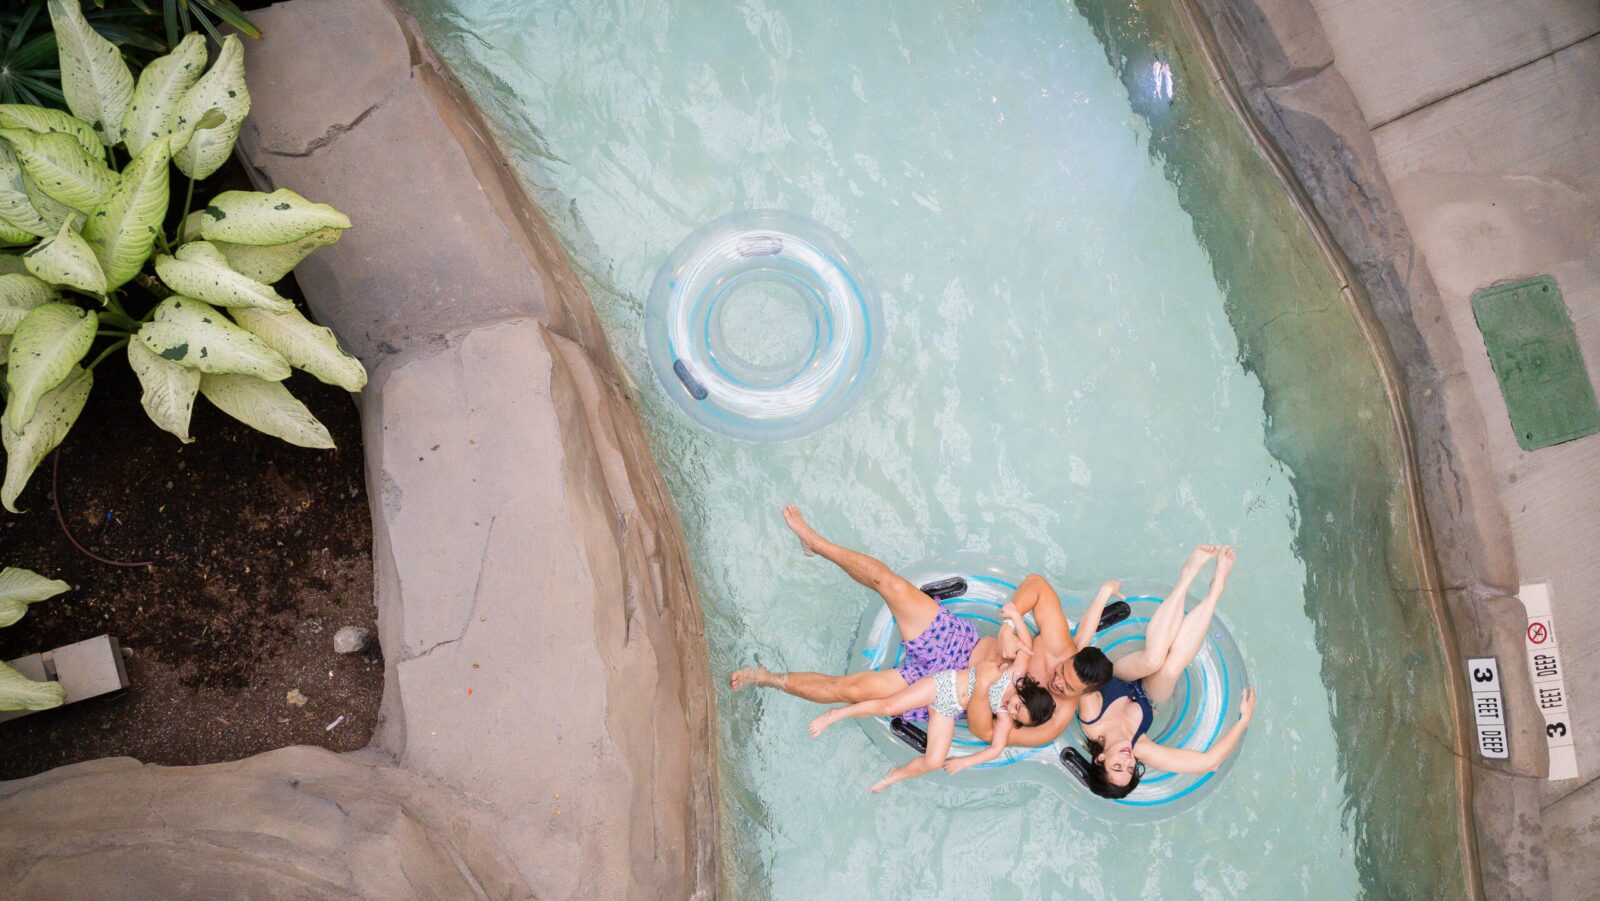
x=546, y=723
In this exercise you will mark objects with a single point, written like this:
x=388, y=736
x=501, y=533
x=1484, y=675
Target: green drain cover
x=1536, y=358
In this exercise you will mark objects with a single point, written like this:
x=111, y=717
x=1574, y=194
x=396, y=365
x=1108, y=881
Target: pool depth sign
x=1483, y=680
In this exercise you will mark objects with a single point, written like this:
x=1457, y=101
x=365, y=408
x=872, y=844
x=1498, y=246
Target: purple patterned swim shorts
x=947, y=643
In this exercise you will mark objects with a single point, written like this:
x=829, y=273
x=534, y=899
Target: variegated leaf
x=67, y=259
x=18, y=692
x=266, y=407
x=60, y=168
x=271, y=263
x=94, y=77
x=161, y=86
x=45, y=121
x=198, y=152
x=21, y=587
x=11, y=236
x=305, y=345
x=192, y=333
x=56, y=413
x=16, y=209
x=45, y=348
x=54, y=212
x=250, y=217
x=169, y=389
x=201, y=271
x=19, y=294
x=123, y=228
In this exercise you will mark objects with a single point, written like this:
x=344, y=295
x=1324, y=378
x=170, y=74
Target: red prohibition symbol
x=1537, y=633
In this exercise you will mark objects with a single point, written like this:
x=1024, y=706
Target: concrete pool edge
x=547, y=727
x=1273, y=62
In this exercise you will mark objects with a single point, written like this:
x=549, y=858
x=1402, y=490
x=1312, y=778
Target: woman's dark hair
x=1036, y=698
x=1095, y=775
x=1092, y=666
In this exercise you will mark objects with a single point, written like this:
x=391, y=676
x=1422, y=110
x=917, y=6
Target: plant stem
x=116, y=315
x=154, y=286
x=113, y=333
x=188, y=198
x=115, y=346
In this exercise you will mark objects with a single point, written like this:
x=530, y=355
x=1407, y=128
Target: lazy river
x=1106, y=337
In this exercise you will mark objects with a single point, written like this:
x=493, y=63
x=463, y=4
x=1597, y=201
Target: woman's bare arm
x=1182, y=760
x=1090, y=624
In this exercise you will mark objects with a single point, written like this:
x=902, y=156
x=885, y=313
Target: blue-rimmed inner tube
x=1204, y=703
x=761, y=326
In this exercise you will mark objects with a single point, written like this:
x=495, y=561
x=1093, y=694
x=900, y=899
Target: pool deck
x=1479, y=164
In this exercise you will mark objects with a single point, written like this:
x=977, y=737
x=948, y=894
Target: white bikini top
x=997, y=691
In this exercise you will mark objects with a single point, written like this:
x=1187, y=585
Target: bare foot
x=809, y=539
x=758, y=676
x=1199, y=556
x=1225, y=560
x=821, y=723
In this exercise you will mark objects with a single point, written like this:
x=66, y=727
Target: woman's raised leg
x=1164, y=623
x=1191, y=635
x=913, y=611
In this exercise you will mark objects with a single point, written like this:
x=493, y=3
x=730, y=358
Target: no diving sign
x=1549, y=682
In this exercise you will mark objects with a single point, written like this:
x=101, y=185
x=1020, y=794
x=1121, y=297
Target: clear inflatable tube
x=800, y=295
x=1202, y=707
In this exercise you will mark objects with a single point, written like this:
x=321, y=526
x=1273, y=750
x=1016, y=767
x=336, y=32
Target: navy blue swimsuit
x=1117, y=688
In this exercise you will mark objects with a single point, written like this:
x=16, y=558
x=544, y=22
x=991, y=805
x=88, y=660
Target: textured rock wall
x=296, y=822
x=1278, y=56
x=546, y=724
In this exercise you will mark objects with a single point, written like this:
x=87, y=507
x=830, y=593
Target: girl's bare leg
x=1164, y=623
x=1191, y=635
x=919, y=695
x=913, y=611
x=941, y=729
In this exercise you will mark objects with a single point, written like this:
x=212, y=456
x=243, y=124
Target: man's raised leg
x=821, y=687
x=913, y=611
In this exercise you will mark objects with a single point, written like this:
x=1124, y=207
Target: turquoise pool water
x=1063, y=385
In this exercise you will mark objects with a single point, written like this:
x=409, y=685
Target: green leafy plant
x=28, y=72
x=18, y=589
x=194, y=313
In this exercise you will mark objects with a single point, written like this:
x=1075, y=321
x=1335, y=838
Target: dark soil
x=263, y=550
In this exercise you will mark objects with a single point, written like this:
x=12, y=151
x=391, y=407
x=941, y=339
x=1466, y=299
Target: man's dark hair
x=1095, y=775
x=1093, y=667
x=1036, y=698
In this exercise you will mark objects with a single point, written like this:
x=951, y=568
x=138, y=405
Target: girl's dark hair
x=1096, y=777
x=1036, y=698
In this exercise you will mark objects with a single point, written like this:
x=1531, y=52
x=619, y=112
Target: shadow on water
x=1328, y=422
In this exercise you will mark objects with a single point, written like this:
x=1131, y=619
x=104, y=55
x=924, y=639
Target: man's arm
x=980, y=722
x=1036, y=596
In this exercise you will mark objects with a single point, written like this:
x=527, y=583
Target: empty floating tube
x=761, y=326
